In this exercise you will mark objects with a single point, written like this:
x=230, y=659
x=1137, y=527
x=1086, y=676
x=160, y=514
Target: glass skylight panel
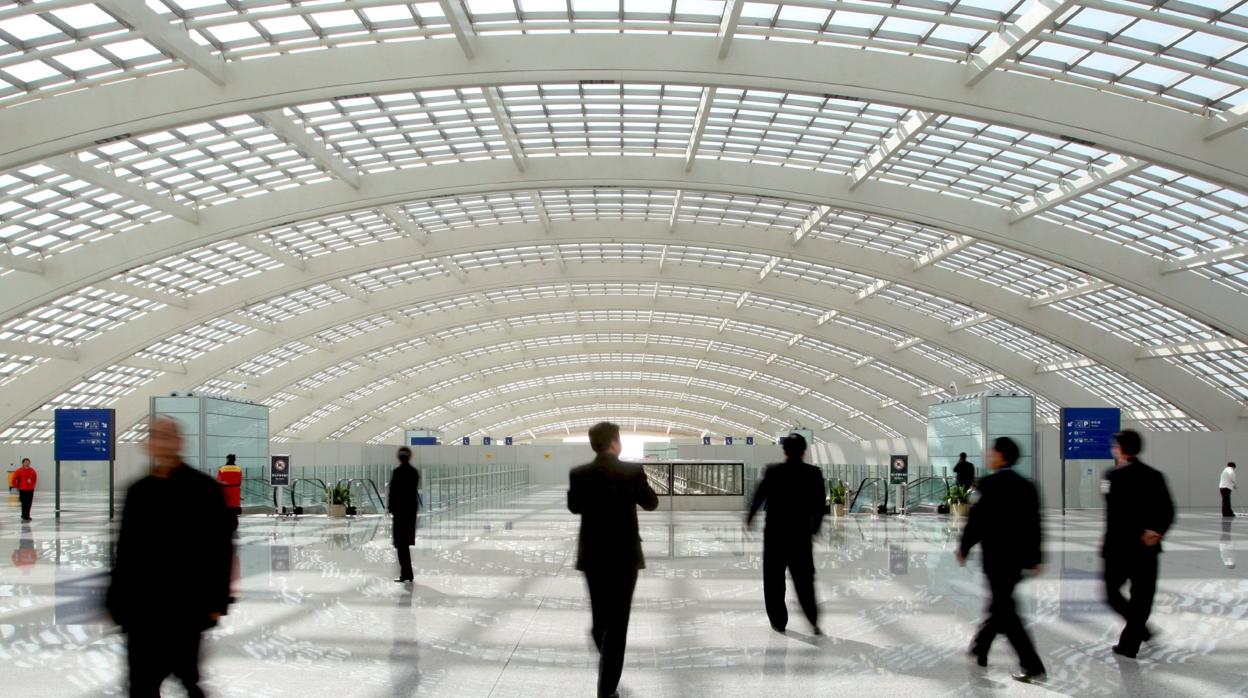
x=200, y=269
x=294, y=303
x=207, y=163
x=366, y=390
x=602, y=119
x=816, y=132
x=14, y=365
x=949, y=359
x=60, y=49
x=103, y=388
x=470, y=210
x=504, y=257
x=924, y=303
x=314, y=238
x=44, y=211
x=28, y=431
x=376, y=280
x=1011, y=271
x=395, y=349
x=196, y=341
x=311, y=418
x=801, y=270
x=274, y=358
x=713, y=257
x=439, y=305
x=76, y=317
x=220, y=386
x=351, y=426
x=740, y=210
x=278, y=400
x=879, y=234
x=609, y=203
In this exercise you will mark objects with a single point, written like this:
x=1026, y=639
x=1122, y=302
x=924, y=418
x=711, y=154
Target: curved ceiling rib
x=554, y=418
x=1202, y=299
x=969, y=296
x=803, y=386
x=659, y=426
x=68, y=123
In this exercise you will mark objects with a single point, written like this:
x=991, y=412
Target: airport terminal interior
x=309, y=232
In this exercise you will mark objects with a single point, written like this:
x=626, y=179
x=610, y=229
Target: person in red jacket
x=24, y=479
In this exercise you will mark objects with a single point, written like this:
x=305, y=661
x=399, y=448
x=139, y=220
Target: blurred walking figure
x=794, y=494
x=964, y=472
x=606, y=493
x=403, y=507
x=1138, y=512
x=1225, y=484
x=24, y=479
x=171, y=578
x=1006, y=522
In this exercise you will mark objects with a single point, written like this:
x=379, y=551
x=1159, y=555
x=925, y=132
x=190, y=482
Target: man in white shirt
x=1225, y=485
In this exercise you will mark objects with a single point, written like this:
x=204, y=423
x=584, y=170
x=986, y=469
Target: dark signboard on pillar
x=279, y=471
x=1088, y=431
x=899, y=469
x=84, y=435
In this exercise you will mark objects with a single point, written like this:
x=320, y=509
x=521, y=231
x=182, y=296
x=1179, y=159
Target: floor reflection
x=497, y=609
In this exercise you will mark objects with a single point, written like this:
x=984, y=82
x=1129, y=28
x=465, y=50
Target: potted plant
x=339, y=500
x=837, y=494
x=959, y=500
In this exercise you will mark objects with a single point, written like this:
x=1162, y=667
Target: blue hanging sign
x=1087, y=432
x=506, y=440
x=727, y=440
x=706, y=441
x=486, y=441
x=467, y=441
x=749, y=441
x=85, y=435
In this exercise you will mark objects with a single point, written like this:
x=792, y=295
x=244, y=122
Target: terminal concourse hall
x=267, y=243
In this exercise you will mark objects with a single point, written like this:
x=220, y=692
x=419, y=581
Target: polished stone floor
x=499, y=610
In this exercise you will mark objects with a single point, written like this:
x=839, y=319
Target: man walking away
x=403, y=506
x=1006, y=522
x=171, y=578
x=606, y=493
x=964, y=472
x=1138, y=512
x=793, y=491
x=1225, y=484
x=24, y=479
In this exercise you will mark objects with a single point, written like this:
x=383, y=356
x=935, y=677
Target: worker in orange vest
x=24, y=479
x=231, y=478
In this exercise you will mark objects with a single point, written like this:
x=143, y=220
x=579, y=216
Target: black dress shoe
x=777, y=628
x=403, y=580
x=1124, y=653
x=1029, y=676
x=818, y=632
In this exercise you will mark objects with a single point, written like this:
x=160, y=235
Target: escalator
x=257, y=496
x=365, y=496
x=308, y=496
x=927, y=494
x=870, y=497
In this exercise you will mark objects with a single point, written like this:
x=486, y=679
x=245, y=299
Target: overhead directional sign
x=84, y=435
x=1088, y=431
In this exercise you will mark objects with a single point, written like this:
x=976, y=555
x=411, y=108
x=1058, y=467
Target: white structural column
x=162, y=34
x=1014, y=36
x=905, y=132
x=1068, y=191
x=461, y=25
x=536, y=197
x=297, y=136
x=78, y=169
x=699, y=126
x=1228, y=122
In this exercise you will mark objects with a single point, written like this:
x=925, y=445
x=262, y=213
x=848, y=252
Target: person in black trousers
x=606, y=493
x=1006, y=523
x=171, y=577
x=1138, y=512
x=964, y=472
x=1226, y=483
x=403, y=505
x=794, y=494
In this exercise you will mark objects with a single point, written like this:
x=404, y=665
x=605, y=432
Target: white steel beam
x=1013, y=36
x=41, y=350
x=453, y=269
x=769, y=267
x=1228, y=121
x=461, y=25
x=174, y=367
x=699, y=126
x=536, y=197
x=1069, y=292
x=811, y=222
x=299, y=137
x=827, y=317
x=161, y=33
x=934, y=255
x=1068, y=191
x=745, y=296
x=405, y=225
x=253, y=242
x=1064, y=365
x=676, y=204
x=896, y=140
x=348, y=289
x=30, y=265
x=872, y=289
x=141, y=292
x=728, y=25
x=78, y=169
x=253, y=323
x=1204, y=259
x=969, y=321
x=505, y=127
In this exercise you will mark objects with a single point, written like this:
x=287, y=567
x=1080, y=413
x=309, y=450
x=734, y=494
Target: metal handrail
x=381, y=502
x=915, y=484
x=862, y=485
x=324, y=488
x=266, y=483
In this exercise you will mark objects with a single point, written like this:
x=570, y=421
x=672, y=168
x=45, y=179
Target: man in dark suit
x=606, y=493
x=794, y=494
x=1006, y=522
x=171, y=577
x=964, y=472
x=1138, y=512
x=403, y=505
